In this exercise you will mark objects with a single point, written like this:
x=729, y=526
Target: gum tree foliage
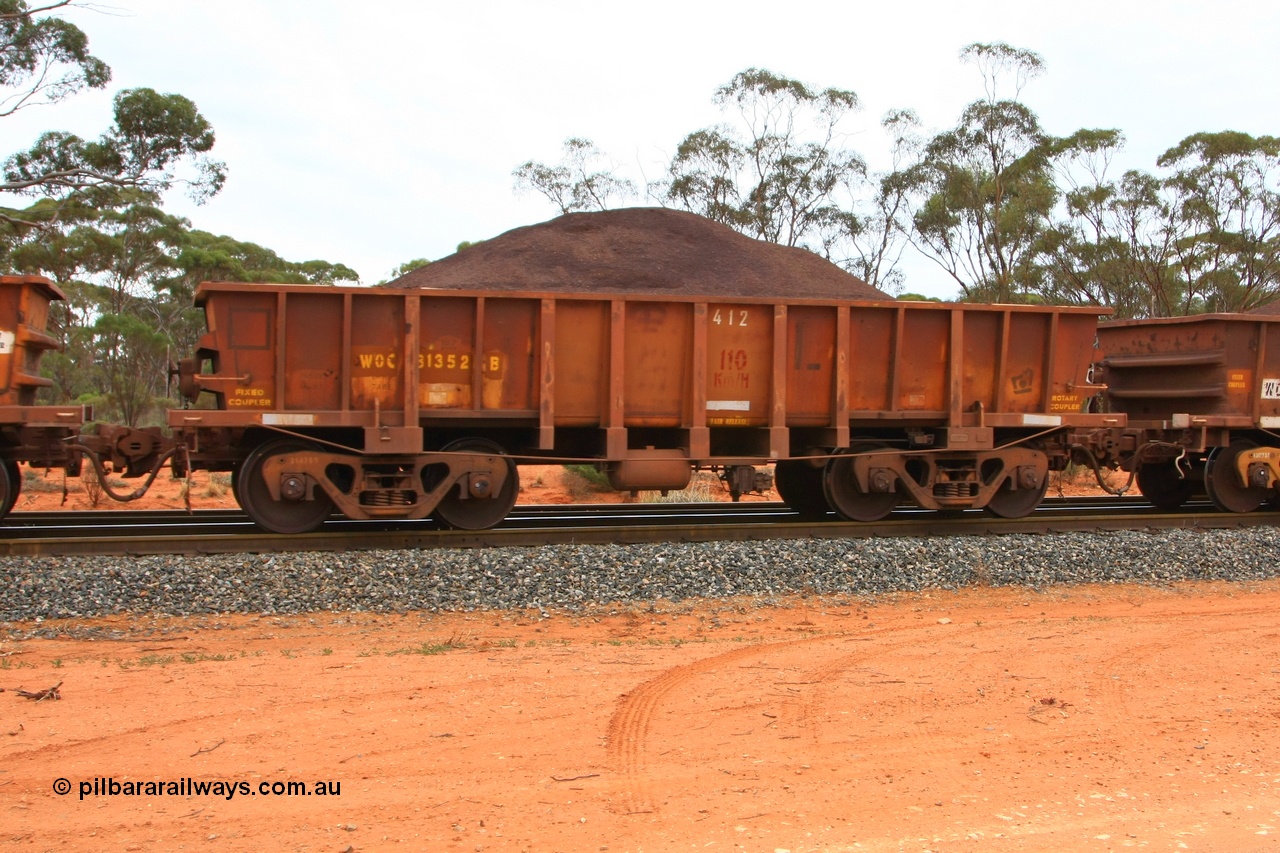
x=89, y=214
x=155, y=141
x=1224, y=194
x=777, y=171
x=92, y=216
x=1112, y=242
x=774, y=174
x=44, y=59
x=863, y=232
x=113, y=340
x=1009, y=212
x=984, y=190
x=1202, y=235
x=583, y=179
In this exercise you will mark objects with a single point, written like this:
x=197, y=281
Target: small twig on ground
x=575, y=778
x=41, y=695
x=209, y=749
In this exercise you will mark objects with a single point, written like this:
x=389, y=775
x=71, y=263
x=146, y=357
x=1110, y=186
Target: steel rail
x=226, y=531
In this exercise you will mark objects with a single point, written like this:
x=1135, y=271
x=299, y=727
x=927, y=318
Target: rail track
x=230, y=531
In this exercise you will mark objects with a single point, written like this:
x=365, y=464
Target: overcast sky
x=373, y=132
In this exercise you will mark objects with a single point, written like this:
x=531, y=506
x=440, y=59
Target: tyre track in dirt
x=628, y=731
x=835, y=691
x=630, y=726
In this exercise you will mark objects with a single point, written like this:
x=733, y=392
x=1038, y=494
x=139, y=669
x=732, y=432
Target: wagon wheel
x=1161, y=483
x=471, y=512
x=799, y=485
x=10, y=486
x=14, y=487
x=844, y=496
x=1016, y=503
x=1223, y=483
x=282, y=516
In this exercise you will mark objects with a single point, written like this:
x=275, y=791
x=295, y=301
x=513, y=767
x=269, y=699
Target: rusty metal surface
x=647, y=385
x=1215, y=370
x=31, y=433
x=24, y=319
x=720, y=380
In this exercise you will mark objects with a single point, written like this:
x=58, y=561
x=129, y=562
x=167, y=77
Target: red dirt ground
x=1087, y=718
x=1093, y=718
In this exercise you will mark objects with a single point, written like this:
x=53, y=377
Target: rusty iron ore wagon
x=380, y=403
x=1201, y=396
x=29, y=433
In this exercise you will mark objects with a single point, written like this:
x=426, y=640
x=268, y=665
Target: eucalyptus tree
x=1201, y=235
x=864, y=232
x=43, y=60
x=1096, y=250
x=88, y=211
x=984, y=189
x=581, y=181
x=155, y=142
x=1224, y=191
x=776, y=170
x=776, y=173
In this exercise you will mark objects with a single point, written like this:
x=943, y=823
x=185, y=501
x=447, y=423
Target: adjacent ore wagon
x=30, y=433
x=381, y=403
x=1202, y=398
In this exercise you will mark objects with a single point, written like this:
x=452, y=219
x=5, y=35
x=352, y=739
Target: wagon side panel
x=739, y=364
x=508, y=351
x=874, y=337
x=378, y=350
x=240, y=347
x=581, y=365
x=811, y=366
x=1266, y=388
x=1157, y=369
x=922, y=362
x=314, y=325
x=447, y=354
x=1023, y=380
x=657, y=363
